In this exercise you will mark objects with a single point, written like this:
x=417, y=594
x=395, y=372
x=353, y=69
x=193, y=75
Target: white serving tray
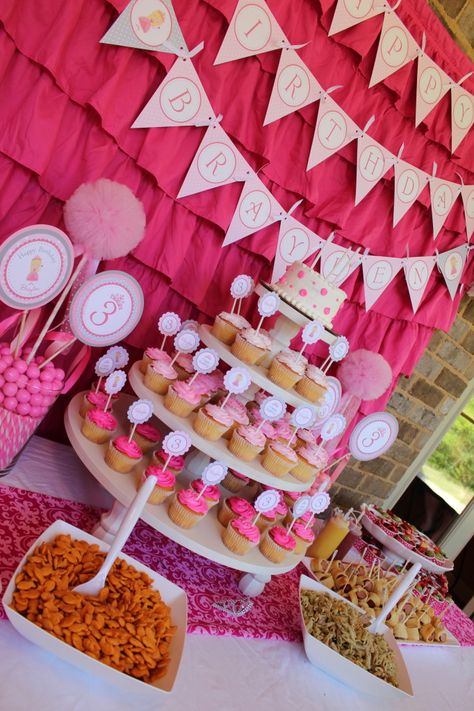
x=174, y=596
x=343, y=669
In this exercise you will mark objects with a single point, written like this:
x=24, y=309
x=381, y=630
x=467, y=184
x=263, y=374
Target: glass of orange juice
x=328, y=539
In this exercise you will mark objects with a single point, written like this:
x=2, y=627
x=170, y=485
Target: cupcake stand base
x=204, y=539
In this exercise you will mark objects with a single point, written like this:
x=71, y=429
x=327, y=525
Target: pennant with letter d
x=408, y=185
x=378, y=273
x=350, y=12
x=451, y=265
x=294, y=87
x=295, y=244
x=373, y=161
x=443, y=196
x=253, y=30
x=256, y=209
x=396, y=48
x=334, y=130
x=417, y=274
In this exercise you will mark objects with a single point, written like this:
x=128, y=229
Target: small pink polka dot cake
x=310, y=293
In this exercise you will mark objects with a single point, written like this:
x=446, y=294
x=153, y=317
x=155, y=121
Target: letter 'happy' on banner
x=378, y=273
x=417, y=274
x=216, y=162
x=350, y=12
x=294, y=87
x=295, y=244
x=147, y=24
x=334, y=130
x=462, y=115
x=431, y=85
x=180, y=100
x=443, y=195
x=256, y=209
x=373, y=161
x=451, y=265
x=408, y=185
x=396, y=48
x=467, y=194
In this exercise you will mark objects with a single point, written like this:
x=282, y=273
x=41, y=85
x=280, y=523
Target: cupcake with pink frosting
x=122, y=454
x=279, y=458
x=211, y=422
x=210, y=494
x=234, y=481
x=277, y=543
x=247, y=442
x=227, y=325
x=304, y=537
x=165, y=483
x=283, y=430
x=240, y=535
x=182, y=398
x=175, y=463
x=233, y=507
x=184, y=366
x=153, y=354
x=92, y=400
x=311, y=460
x=98, y=426
x=251, y=346
x=289, y=497
x=286, y=368
x=304, y=437
x=186, y=508
x=237, y=411
x=146, y=436
x=313, y=384
x=159, y=376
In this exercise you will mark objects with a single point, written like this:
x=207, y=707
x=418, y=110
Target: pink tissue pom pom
x=105, y=218
x=365, y=374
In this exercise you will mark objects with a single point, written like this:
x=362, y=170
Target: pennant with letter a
x=462, y=115
x=451, y=265
x=295, y=244
x=351, y=12
x=253, y=30
x=409, y=183
x=256, y=209
x=216, y=162
x=334, y=130
x=417, y=274
x=373, y=161
x=431, y=85
x=147, y=24
x=467, y=194
x=294, y=87
x=378, y=273
x=443, y=196
x=180, y=100
x=338, y=263
x=396, y=48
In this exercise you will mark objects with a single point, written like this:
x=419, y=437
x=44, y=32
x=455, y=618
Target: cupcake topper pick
x=186, y=341
x=267, y=306
x=190, y=325
x=103, y=367
x=266, y=501
x=272, y=408
x=300, y=507
x=205, y=360
x=311, y=333
x=241, y=287
x=213, y=474
x=236, y=381
x=119, y=355
x=337, y=351
x=334, y=426
x=169, y=324
x=139, y=412
x=302, y=417
x=318, y=503
x=114, y=384
x=175, y=444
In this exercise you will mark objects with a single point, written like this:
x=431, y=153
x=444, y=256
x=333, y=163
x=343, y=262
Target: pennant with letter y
x=467, y=194
x=295, y=87
x=462, y=114
x=256, y=209
x=295, y=244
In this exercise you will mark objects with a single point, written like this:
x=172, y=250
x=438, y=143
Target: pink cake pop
x=22, y=381
x=20, y=365
x=33, y=372
x=11, y=374
x=35, y=411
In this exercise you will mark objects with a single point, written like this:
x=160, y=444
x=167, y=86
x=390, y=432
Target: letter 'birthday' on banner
x=252, y=30
x=396, y=48
x=338, y=263
x=409, y=183
x=443, y=196
x=295, y=244
x=294, y=87
x=180, y=100
x=417, y=274
x=217, y=162
x=350, y=12
x=378, y=273
x=373, y=161
x=257, y=208
x=334, y=130
x=451, y=265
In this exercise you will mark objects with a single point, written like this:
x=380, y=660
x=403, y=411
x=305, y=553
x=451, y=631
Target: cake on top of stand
x=310, y=293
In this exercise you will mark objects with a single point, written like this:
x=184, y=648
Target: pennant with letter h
x=253, y=30
x=443, y=196
x=334, y=130
x=396, y=48
x=216, y=162
x=451, y=265
x=256, y=209
x=373, y=161
x=294, y=87
x=295, y=244
x=378, y=273
x=147, y=24
x=351, y=12
x=417, y=274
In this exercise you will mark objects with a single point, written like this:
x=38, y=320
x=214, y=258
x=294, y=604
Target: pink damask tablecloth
x=274, y=615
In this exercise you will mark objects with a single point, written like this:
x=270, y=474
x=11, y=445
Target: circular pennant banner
x=35, y=265
x=106, y=308
x=373, y=436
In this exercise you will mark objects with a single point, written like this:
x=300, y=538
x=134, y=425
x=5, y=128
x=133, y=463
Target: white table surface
x=217, y=673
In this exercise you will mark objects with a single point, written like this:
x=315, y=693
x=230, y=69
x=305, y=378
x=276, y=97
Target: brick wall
x=458, y=18
x=419, y=403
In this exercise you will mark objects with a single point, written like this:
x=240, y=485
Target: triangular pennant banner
x=337, y=263
x=443, y=196
x=253, y=30
x=350, y=12
x=396, y=48
x=431, y=85
x=373, y=161
x=295, y=244
x=180, y=100
x=378, y=273
x=334, y=130
x=408, y=186
x=217, y=162
x=462, y=115
x=257, y=208
x=451, y=266
x=147, y=24
x=294, y=87
x=417, y=274
x=467, y=194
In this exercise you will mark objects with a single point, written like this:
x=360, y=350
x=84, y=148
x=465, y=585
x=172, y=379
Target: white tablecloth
x=217, y=673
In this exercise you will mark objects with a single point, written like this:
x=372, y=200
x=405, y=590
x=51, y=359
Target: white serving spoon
x=94, y=586
x=397, y=594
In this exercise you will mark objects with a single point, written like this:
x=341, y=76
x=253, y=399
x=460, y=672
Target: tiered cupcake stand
x=204, y=539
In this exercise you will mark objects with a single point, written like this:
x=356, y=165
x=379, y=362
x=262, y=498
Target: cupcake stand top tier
x=204, y=539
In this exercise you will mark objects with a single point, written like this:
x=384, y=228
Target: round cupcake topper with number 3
x=176, y=443
x=214, y=473
x=169, y=324
x=241, y=287
x=266, y=501
x=205, y=360
x=272, y=408
x=319, y=502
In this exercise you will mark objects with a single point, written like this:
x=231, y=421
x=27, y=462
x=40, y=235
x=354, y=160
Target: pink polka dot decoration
x=303, y=292
x=301, y=275
x=25, y=389
x=324, y=291
x=327, y=310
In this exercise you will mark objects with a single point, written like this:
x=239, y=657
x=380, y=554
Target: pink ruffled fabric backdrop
x=68, y=102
